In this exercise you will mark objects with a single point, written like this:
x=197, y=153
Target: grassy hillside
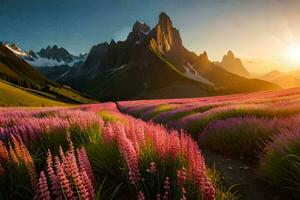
x=12, y=95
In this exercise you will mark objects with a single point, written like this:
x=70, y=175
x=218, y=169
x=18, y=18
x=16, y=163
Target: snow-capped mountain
x=52, y=56
x=53, y=62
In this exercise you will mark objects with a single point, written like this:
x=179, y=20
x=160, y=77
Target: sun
x=294, y=53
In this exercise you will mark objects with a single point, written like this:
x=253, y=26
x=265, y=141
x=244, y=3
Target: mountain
x=296, y=73
x=233, y=65
x=284, y=80
x=54, y=56
x=54, y=62
x=150, y=61
x=16, y=71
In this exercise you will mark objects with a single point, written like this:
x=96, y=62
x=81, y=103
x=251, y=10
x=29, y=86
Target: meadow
x=155, y=151
x=96, y=152
x=261, y=128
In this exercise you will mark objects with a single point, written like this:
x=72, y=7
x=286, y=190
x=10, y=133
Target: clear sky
x=264, y=33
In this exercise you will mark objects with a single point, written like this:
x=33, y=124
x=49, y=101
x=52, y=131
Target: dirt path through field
x=244, y=178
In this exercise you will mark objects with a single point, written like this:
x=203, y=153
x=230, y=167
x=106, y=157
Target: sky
x=264, y=33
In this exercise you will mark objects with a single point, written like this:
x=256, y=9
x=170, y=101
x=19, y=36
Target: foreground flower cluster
x=72, y=153
x=71, y=177
x=136, y=138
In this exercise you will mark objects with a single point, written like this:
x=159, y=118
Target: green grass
x=109, y=117
x=11, y=95
x=186, y=113
x=281, y=167
x=160, y=109
x=222, y=191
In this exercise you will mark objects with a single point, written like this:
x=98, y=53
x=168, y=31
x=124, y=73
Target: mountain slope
x=150, y=60
x=284, y=80
x=233, y=65
x=15, y=70
x=296, y=73
x=13, y=95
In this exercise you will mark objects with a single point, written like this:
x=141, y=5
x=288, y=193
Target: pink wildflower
x=42, y=192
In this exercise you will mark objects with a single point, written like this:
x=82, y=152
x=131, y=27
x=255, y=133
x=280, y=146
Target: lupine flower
x=42, y=192
x=55, y=186
x=141, y=196
x=167, y=188
x=64, y=182
x=181, y=176
x=129, y=154
x=152, y=168
x=70, y=177
x=88, y=183
x=84, y=163
x=158, y=197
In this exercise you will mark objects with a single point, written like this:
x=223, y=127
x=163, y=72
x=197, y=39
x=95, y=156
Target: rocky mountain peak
x=96, y=54
x=140, y=27
x=203, y=57
x=230, y=57
x=112, y=42
x=32, y=54
x=164, y=20
x=164, y=36
x=230, y=54
x=56, y=53
x=139, y=32
x=234, y=64
x=14, y=46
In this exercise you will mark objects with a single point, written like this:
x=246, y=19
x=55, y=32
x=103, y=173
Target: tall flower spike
x=88, y=184
x=13, y=155
x=84, y=163
x=141, y=196
x=79, y=184
x=64, y=182
x=42, y=192
x=4, y=156
x=55, y=187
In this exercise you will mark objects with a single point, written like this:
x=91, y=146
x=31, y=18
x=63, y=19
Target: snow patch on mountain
x=64, y=74
x=115, y=70
x=16, y=50
x=191, y=73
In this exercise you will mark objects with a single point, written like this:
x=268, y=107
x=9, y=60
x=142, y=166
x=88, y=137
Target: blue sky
x=255, y=30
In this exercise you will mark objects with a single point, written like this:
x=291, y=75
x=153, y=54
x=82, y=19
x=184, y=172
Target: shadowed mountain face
x=152, y=60
x=233, y=65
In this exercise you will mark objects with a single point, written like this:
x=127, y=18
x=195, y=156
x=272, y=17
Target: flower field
x=95, y=152
x=261, y=127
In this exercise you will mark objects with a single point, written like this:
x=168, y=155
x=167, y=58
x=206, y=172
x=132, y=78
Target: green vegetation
x=12, y=95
